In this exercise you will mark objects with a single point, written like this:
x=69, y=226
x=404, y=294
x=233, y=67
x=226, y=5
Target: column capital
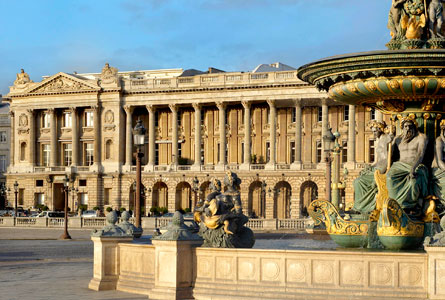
x=197, y=106
x=173, y=107
x=221, y=105
x=95, y=108
x=150, y=108
x=297, y=102
x=128, y=109
x=30, y=111
x=51, y=111
x=72, y=109
x=271, y=102
x=11, y=113
x=246, y=104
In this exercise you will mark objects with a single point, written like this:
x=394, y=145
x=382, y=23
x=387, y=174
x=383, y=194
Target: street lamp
x=139, y=140
x=16, y=191
x=328, y=143
x=65, y=235
x=336, y=174
x=263, y=199
x=195, y=189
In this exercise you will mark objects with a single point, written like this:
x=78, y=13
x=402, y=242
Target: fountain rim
x=325, y=67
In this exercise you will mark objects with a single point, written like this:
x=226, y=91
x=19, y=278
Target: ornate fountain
x=399, y=198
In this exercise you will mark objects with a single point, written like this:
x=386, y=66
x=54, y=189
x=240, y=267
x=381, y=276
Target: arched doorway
x=282, y=200
x=160, y=195
x=183, y=199
x=256, y=205
x=132, y=203
x=308, y=193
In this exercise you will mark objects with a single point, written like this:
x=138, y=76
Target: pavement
x=34, y=264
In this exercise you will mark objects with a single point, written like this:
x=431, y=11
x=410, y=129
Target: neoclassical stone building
x=267, y=127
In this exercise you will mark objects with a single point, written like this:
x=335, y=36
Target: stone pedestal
x=106, y=262
x=173, y=269
x=436, y=272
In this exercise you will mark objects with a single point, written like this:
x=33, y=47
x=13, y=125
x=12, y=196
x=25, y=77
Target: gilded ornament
x=420, y=83
x=352, y=88
x=394, y=84
x=339, y=91
x=442, y=83
x=371, y=85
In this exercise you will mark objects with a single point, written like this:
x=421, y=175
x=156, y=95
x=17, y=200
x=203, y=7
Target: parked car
x=88, y=214
x=51, y=214
x=167, y=215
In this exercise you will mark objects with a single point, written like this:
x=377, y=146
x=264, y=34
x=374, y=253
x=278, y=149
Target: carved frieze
x=61, y=84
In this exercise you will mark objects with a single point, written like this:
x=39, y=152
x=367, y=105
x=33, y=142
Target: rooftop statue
x=407, y=179
x=365, y=187
x=22, y=78
x=221, y=219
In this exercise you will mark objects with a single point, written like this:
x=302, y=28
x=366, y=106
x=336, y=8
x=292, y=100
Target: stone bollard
x=106, y=257
x=174, y=261
x=106, y=262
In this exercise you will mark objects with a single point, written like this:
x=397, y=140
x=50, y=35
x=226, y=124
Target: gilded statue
x=22, y=78
x=220, y=217
x=395, y=15
x=365, y=187
x=407, y=179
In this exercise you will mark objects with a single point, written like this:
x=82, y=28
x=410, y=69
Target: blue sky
x=48, y=36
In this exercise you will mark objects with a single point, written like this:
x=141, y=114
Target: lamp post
x=16, y=191
x=336, y=174
x=195, y=189
x=263, y=198
x=328, y=143
x=139, y=140
x=65, y=235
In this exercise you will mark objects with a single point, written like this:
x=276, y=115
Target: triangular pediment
x=62, y=83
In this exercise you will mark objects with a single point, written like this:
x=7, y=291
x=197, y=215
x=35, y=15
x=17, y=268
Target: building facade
x=267, y=127
x=5, y=132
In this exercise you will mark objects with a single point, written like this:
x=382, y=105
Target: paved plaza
x=35, y=265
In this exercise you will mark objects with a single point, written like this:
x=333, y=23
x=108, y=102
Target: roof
x=275, y=67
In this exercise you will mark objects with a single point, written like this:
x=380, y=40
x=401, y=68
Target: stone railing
x=257, y=166
x=205, y=80
x=148, y=223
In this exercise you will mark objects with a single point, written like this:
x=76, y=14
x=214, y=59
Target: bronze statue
x=221, y=219
x=435, y=16
x=395, y=15
x=438, y=167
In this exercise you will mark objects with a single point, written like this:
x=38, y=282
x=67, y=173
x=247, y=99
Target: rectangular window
x=218, y=152
x=179, y=150
x=318, y=149
x=89, y=118
x=46, y=122
x=39, y=198
x=372, y=114
x=88, y=154
x=46, y=152
x=242, y=152
x=292, y=151
x=107, y=196
x=83, y=198
x=202, y=153
x=2, y=136
x=67, y=154
x=227, y=153
x=39, y=182
x=67, y=119
x=371, y=151
x=156, y=154
x=179, y=118
x=267, y=152
x=320, y=114
x=344, y=153
x=346, y=113
x=21, y=196
x=82, y=182
x=293, y=115
x=203, y=115
x=2, y=163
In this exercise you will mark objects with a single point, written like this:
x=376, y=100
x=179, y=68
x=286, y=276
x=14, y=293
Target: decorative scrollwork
x=324, y=211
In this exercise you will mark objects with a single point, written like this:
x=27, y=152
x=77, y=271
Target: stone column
x=298, y=135
x=324, y=127
x=75, y=137
x=272, y=134
x=247, y=136
x=351, y=138
x=53, y=129
x=12, y=139
x=222, y=134
x=129, y=137
x=151, y=136
x=174, y=110
x=378, y=115
x=32, y=137
x=197, y=163
x=97, y=135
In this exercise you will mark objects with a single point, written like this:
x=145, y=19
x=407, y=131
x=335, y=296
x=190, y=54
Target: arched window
x=22, y=151
x=108, y=149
